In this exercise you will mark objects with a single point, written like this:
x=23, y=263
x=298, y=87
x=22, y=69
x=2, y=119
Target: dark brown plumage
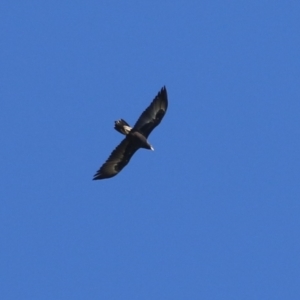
x=136, y=137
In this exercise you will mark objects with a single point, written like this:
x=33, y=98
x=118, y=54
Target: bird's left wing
x=153, y=115
x=118, y=159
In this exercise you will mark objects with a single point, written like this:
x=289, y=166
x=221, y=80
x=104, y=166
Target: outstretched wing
x=153, y=115
x=118, y=159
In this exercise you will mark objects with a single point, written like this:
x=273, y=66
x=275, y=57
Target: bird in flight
x=135, y=137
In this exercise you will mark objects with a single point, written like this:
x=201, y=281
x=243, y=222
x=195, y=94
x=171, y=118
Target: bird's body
x=135, y=137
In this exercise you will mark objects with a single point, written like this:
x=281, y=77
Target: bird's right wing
x=153, y=114
x=118, y=159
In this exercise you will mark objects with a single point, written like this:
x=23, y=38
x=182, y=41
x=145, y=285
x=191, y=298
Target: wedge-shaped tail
x=122, y=126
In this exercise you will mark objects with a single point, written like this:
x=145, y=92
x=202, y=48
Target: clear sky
x=213, y=212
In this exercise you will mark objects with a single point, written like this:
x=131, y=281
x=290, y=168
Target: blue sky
x=213, y=212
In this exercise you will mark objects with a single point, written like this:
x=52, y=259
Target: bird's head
x=148, y=146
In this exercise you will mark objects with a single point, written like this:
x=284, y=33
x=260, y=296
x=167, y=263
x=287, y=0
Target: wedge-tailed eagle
x=136, y=137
